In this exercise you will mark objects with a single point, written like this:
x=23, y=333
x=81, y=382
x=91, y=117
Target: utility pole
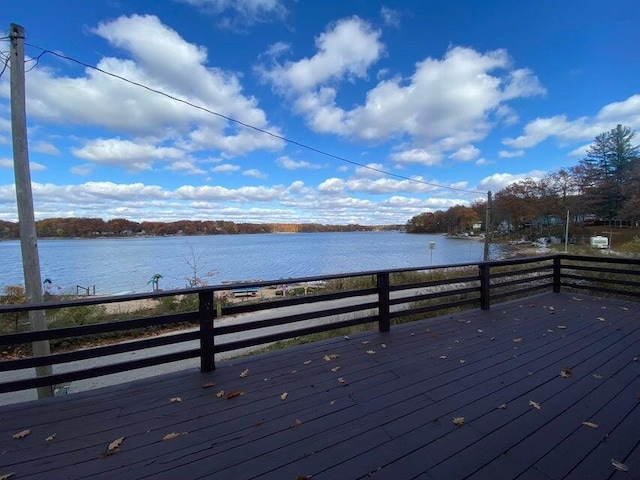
x=24, y=197
x=487, y=222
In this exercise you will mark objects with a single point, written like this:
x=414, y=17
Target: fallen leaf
x=307, y=362
x=171, y=436
x=535, y=405
x=331, y=356
x=332, y=402
x=590, y=424
x=234, y=393
x=293, y=371
x=208, y=385
x=458, y=421
x=22, y=434
x=297, y=422
x=114, y=447
x=551, y=309
x=601, y=319
x=619, y=466
x=220, y=394
x=175, y=399
x=346, y=337
x=503, y=406
x=371, y=352
x=463, y=361
x=383, y=345
x=244, y=373
x=456, y=341
x=48, y=439
x=7, y=476
x=565, y=372
x=341, y=380
x=577, y=299
x=284, y=396
x=480, y=330
x=561, y=327
x=597, y=375
x=303, y=477
x=635, y=359
x=517, y=340
x=624, y=308
x=549, y=330
x=335, y=369
x=366, y=342
x=443, y=357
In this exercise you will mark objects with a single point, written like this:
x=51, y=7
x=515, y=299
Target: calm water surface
x=118, y=265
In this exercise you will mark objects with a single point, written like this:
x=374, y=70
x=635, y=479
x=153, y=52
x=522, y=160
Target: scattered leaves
x=335, y=369
x=366, y=342
x=341, y=380
x=244, y=373
x=383, y=345
x=600, y=319
x=619, y=466
x=561, y=327
x=21, y=435
x=171, y=436
x=503, y=406
x=517, y=340
x=346, y=337
x=7, y=476
x=551, y=309
x=234, y=393
x=458, y=421
x=597, y=375
x=297, y=422
x=208, y=385
x=284, y=396
x=220, y=394
x=463, y=361
x=371, y=352
x=332, y=402
x=307, y=362
x=576, y=299
x=443, y=357
x=565, y=372
x=331, y=356
x=175, y=399
x=480, y=330
x=293, y=371
x=49, y=438
x=549, y=330
x=535, y=405
x=590, y=424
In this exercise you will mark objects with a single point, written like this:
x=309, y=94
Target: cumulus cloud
x=33, y=166
x=466, y=153
x=498, y=181
x=371, y=170
x=240, y=13
x=510, y=153
x=417, y=155
x=45, y=147
x=225, y=168
x=255, y=173
x=568, y=131
x=289, y=164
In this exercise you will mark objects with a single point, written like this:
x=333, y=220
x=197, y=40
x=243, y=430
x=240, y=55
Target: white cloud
x=225, y=168
x=510, y=153
x=626, y=112
x=498, y=181
x=82, y=170
x=289, y=164
x=130, y=155
x=417, y=155
x=345, y=50
x=33, y=166
x=390, y=17
x=45, y=147
x=255, y=173
x=466, y=153
x=237, y=13
x=371, y=170
x=187, y=166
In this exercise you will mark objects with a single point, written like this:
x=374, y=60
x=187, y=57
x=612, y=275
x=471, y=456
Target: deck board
x=391, y=417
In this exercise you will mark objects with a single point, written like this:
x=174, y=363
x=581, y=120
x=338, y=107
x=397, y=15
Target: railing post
x=557, y=273
x=384, y=321
x=207, y=315
x=485, y=286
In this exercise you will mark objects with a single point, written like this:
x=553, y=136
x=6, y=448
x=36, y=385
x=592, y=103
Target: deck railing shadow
x=386, y=297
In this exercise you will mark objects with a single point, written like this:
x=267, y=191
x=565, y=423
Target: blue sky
x=464, y=94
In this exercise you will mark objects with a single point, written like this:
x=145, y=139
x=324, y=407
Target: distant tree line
x=603, y=187
x=121, y=227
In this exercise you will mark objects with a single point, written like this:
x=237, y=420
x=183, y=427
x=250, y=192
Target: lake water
x=117, y=265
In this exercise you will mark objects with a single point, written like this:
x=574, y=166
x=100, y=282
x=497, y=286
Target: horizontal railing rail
x=380, y=297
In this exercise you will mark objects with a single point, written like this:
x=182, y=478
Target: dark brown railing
x=393, y=296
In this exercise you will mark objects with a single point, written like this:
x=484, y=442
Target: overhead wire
x=247, y=125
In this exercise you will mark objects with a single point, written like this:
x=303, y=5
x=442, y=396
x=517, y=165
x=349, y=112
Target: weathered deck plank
x=390, y=418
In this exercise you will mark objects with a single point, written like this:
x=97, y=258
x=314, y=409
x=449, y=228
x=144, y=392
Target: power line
x=246, y=125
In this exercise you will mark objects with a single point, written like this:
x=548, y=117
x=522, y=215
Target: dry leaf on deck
x=341, y=380
x=7, y=476
x=293, y=371
x=463, y=361
x=590, y=424
x=366, y=342
x=383, y=345
x=458, y=421
x=576, y=299
x=535, y=405
x=443, y=357
x=346, y=337
x=307, y=362
x=565, y=372
x=332, y=402
x=297, y=422
x=175, y=399
x=480, y=330
x=208, y=385
x=619, y=466
x=48, y=439
x=234, y=393
x=597, y=375
x=601, y=319
x=331, y=356
x=171, y=436
x=303, y=477
x=244, y=373
x=114, y=447
x=284, y=396
x=371, y=352
x=503, y=406
x=220, y=394
x=20, y=435
x=517, y=340
x=335, y=369
x=561, y=327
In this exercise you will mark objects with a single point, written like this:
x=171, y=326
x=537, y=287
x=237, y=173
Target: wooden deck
x=375, y=406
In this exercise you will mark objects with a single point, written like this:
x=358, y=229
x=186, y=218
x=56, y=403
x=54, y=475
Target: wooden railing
x=389, y=296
